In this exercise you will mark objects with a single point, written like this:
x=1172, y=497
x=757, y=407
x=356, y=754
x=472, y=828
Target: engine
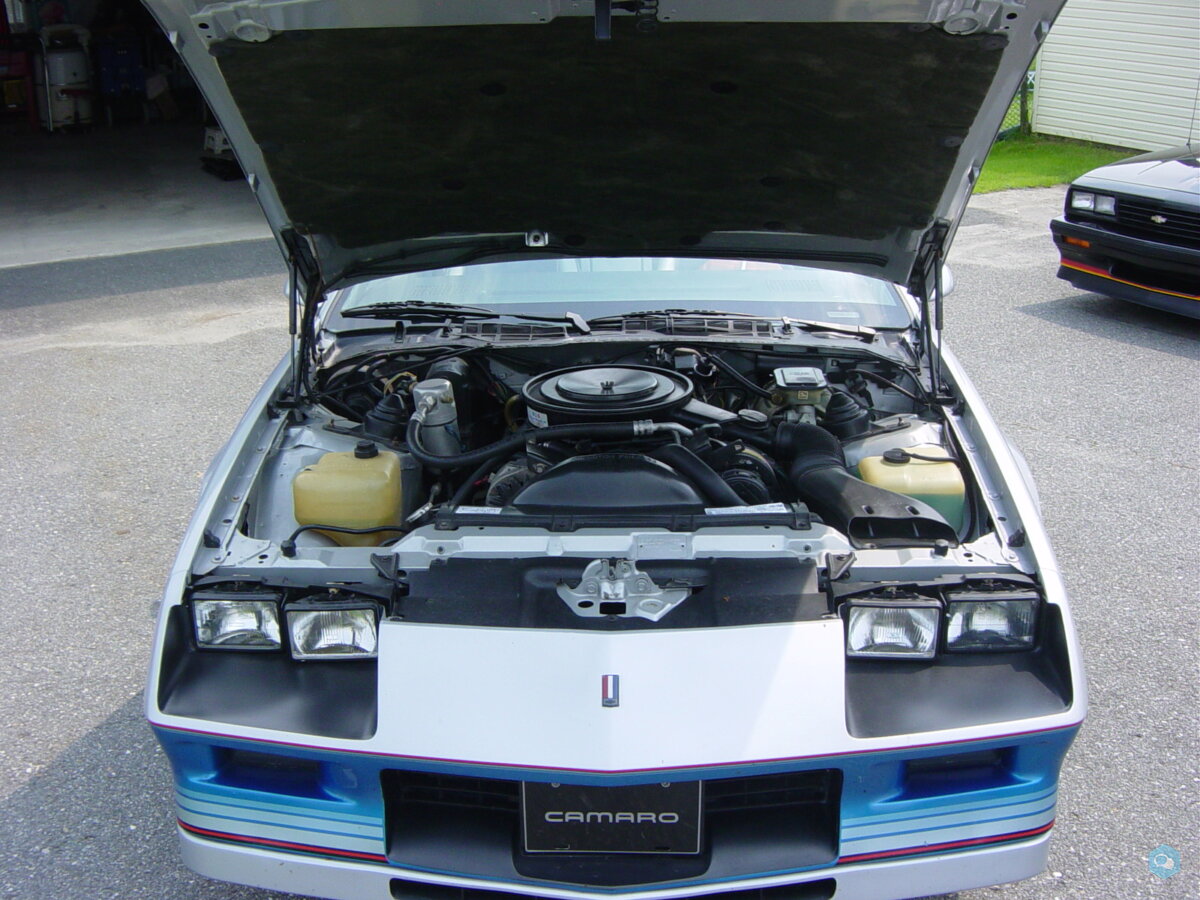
x=679, y=432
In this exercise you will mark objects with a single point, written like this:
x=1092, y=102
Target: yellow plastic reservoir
x=360, y=489
x=940, y=484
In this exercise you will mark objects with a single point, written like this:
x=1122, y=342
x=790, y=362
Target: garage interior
x=106, y=146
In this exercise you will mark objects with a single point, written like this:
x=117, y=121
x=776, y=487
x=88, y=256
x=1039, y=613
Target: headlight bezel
x=263, y=601
x=925, y=606
x=942, y=592
x=305, y=607
x=1091, y=202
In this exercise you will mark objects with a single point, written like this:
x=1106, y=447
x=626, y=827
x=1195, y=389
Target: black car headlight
x=884, y=629
x=332, y=627
x=1089, y=201
x=229, y=621
x=991, y=622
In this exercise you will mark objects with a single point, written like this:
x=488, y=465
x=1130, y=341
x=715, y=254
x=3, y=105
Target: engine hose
x=509, y=445
x=715, y=489
x=757, y=390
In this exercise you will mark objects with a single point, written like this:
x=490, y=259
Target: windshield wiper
x=862, y=332
x=414, y=310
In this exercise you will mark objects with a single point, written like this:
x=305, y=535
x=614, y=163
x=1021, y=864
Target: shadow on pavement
x=1118, y=320
x=86, y=279
x=98, y=822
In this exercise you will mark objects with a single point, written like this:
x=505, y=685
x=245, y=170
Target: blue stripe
x=297, y=828
x=952, y=826
x=949, y=809
x=244, y=803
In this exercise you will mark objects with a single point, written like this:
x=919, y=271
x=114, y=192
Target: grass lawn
x=1040, y=161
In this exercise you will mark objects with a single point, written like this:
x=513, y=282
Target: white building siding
x=1121, y=72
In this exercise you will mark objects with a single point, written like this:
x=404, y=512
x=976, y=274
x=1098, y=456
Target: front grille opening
x=473, y=827
x=958, y=773
x=812, y=890
x=403, y=889
x=269, y=772
x=762, y=792
x=407, y=790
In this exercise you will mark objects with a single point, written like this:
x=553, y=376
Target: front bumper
x=906, y=822
x=345, y=880
x=1162, y=276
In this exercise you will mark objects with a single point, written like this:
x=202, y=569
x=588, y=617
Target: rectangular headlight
x=986, y=622
x=333, y=629
x=1084, y=200
x=229, y=622
x=1106, y=205
x=882, y=629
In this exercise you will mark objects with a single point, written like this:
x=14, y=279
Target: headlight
x=991, y=623
x=1088, y=201
x=892, y=630
x=236, y=624
x=333, y=629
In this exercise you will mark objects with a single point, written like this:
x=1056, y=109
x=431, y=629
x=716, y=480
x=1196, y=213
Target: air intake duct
x=866, y=514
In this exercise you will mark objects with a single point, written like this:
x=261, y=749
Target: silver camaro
x=619, y=522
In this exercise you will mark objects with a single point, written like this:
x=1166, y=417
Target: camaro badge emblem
x=1158, y=220
x=610, y=690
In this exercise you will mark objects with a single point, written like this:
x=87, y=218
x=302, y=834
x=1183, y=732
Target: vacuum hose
x=509, y=445
x=866, y=514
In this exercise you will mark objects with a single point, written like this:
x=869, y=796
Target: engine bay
x=612, y=435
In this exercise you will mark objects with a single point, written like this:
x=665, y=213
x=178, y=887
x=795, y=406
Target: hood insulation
x=645, y=143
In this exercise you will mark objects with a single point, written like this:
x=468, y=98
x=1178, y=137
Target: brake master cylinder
x=803, y=390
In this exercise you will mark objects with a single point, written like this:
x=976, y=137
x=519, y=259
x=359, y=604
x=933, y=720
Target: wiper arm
x=413, y=310
x=860, y=331
x=682, y=313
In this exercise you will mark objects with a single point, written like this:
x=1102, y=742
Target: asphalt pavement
x=122, y=376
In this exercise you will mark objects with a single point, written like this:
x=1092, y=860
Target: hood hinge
x=925, y=284
x=973, y=16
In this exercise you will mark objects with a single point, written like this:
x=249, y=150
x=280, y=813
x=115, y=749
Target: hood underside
x=392, y=149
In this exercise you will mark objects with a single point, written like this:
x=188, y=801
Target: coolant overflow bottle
x=439, y=430
x=354, y=489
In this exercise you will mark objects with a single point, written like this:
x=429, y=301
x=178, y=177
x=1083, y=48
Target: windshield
x=595, y=287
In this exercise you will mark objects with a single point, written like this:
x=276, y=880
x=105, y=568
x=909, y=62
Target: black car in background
x=1131, y=230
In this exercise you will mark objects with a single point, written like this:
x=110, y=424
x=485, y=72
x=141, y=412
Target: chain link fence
x=1019, y=118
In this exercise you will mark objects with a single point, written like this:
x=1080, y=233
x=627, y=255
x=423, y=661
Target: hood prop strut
x=304, y=291
x=926, y=285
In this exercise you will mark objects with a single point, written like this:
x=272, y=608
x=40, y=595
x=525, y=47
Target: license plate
x=643, y=818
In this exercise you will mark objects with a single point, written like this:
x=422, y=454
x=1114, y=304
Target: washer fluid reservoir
x=360, y=489
x=940, y=484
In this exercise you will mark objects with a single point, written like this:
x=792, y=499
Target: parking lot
x=122, y=375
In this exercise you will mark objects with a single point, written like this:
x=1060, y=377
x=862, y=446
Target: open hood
x=387, y=136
